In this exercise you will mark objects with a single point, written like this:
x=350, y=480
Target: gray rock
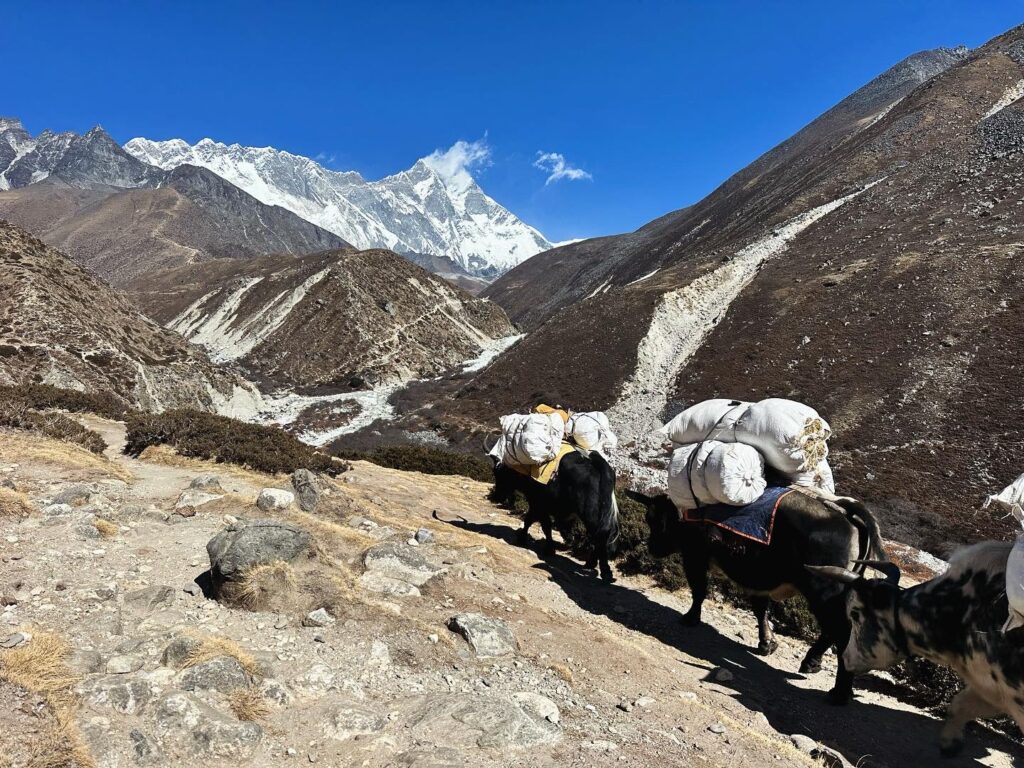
x=488, y=721
x=487, y=636
x=123, y=665
x=318, y=618
x=316, y=679
x=271, y=499
x=208, y=483
x=351, y=720
x=144, y=751
x=73, y=495
x=85, y=662
x=58, y=510
x=722, y=675
x=538, y=706
x=124, y=695
x=235, y=549
x=400, y=561
x=307, y=489
x=8, y=482
x=192, y=498
x=223, y=674
x=375, y=581
x=149, y=598
x=195, y=728
x=716, y=728
x=178, y=651
x=15, y=640
x=423, y=536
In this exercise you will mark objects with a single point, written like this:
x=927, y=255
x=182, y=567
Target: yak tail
x=870, y=535
x=608, y=505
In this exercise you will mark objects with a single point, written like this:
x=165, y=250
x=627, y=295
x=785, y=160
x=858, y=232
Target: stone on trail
x=423, y=536
x=149, y=598
x=208, y=483
x=124, y=695
x=123, y=664
x=15, y=640
x=487, y=721
x=318, y=618
x=352, y=720
x=307, y=488
x=196, y=728
x=271, y=499
x=223, y=674
x=191, y=498
x=486, y=636
x=254, y=542
x=400, y=561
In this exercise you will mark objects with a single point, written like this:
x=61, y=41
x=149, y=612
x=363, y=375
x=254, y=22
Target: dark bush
x=44, y=397
x=15, y=413
x=222, y=439
x=428, y=460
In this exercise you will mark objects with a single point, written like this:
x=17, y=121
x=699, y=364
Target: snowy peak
x=435, y=208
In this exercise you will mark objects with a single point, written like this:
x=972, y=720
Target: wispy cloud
x=326, y=158
x=557, y=167
x=455, y=163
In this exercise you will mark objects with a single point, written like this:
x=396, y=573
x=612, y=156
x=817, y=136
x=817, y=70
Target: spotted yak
x=954, y=620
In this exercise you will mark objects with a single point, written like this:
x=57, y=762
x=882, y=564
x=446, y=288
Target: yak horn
x=891, y=571
x=834, y=572
x=487, y=448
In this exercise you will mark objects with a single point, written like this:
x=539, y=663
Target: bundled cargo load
x=1011, y=500
x=591, y=431
x=713, y=472
x=791, y=436
x=529, y=439
x=820, y=478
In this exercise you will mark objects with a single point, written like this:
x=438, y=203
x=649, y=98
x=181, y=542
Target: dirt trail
x=632, y=686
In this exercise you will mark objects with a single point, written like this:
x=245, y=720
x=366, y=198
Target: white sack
x=591, y=432
x=718, y=473
x=529, y=438
x=819, y=478
x=787, y=433
x=1011, y=499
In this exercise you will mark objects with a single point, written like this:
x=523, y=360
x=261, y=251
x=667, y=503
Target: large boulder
x=486, y=636
x=222, y=673
x=191, y=727
x=488, y=721
x=401, y=562
x=271, y=499
x=307, y=489
x=254, y=542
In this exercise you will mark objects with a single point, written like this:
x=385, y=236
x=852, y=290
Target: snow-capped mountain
x=434, y=208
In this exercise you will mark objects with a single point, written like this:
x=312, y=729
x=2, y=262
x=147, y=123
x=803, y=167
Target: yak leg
x=966, y=706
x=696, y=567
x=767, y=645
x=812, y=660
x=529, y=519
x=549, y=538
x=831, y=616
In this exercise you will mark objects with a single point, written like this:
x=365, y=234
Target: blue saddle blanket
x=753, y=521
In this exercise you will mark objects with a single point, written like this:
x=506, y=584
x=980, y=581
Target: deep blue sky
x=658, y=101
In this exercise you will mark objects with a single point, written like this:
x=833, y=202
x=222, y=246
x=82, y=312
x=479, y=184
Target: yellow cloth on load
x=548, y=409
x=543, y=473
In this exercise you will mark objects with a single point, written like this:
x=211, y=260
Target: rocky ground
x=408, y=630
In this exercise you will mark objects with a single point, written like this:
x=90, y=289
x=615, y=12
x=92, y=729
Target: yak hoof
x=608, y=578
x=690, y=620
x=952, y=748
x=767, y=649
x=810, y=666
x=839, y=697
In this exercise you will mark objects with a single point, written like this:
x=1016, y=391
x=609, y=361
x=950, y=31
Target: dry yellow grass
x=259, y=585
x=39, y=666
x=26, y=447
x=210, y=647
x=14, y=504
x=107, y=529
x=249, y=704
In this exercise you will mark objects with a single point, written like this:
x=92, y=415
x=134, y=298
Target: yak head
x=872, y=606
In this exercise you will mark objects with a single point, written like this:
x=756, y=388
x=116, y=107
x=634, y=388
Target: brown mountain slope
x=193, y=216
x=60, y=325
x=866, y=267
x=339, y=318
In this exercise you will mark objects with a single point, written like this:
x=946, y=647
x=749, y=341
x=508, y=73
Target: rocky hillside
x=427, y=210
x=174, y=612
x=123, y=218
x=60, y=325
x=864, y=266
x=348, y=319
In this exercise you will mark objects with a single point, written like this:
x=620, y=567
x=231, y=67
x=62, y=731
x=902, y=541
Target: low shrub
x=428, y=460
x=43, y=397
x=222, y=439
x=20, y=415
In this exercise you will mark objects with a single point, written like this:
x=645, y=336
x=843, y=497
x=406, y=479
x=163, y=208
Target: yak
x=584, y=487
x=808, y=530
x=955, y=620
